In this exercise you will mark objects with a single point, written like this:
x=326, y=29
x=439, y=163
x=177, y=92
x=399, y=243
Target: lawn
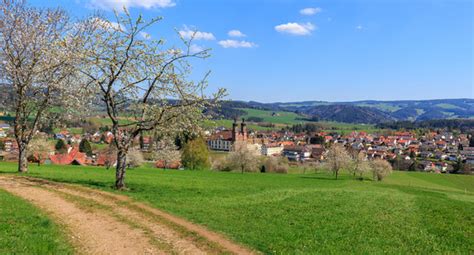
x=313, y=213
x=26, y=230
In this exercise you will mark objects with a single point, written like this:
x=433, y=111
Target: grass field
x=287, y=118
x=313, y=213
x=25, y=230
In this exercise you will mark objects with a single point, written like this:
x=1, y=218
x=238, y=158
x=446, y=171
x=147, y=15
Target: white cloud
x=236, y=44
x=296, y=28
x=310, y=11
x=145, y=35
x=119, y=4
x=236, y=33
x=360, y=28
x=187, y=34
x=194, y=48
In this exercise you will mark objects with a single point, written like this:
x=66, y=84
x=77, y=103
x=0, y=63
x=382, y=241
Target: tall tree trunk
x=22, y=158
x=120, y=170
x=337, y=171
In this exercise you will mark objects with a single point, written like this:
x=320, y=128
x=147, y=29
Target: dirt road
x=99, y=222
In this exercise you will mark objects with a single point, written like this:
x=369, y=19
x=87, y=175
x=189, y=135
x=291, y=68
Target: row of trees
x=51, y=61
x=338, y=159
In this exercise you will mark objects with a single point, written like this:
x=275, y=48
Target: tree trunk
x=337, y=171
x=22, y=158
x=120, y=170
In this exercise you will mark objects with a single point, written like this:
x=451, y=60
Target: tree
x=337, y=158
x=380, y=169
x=60, y=146
x=243, y=157
x=276, y=165
x=85, y=147
x=39, y=148
x=2, y=145
x=458, y=166
x=359, y=164
x=195, y=154
x=37, y=52
x=134, y=158
x=316, y=140
x=135, y=77
x=471, y=141
x=166, y=152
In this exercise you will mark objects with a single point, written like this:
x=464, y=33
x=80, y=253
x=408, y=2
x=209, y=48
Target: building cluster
x=433, y=151
x=105, y=156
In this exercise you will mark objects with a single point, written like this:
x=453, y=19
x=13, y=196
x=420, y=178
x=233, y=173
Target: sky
x=323, y=50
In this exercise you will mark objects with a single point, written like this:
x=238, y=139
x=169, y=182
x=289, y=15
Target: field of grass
x=25, y=230
x=409, y=212
x=287, y=118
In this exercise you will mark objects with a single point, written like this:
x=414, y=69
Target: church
x=223, y=140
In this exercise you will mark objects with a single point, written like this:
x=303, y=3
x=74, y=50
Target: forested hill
x=361, y=111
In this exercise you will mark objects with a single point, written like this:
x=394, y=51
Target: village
x=439, y=152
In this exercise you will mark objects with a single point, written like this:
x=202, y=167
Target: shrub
x=276, y=165
x=85, y=147
x=380, y=169
x=61, y=146
x=242, y=158
x=134, y=158
x=195, y=154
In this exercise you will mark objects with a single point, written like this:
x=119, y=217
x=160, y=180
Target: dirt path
x=106, y=223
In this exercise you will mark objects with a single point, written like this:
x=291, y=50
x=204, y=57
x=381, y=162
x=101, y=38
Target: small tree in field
x=243, y=158
x=195, y=154
x=85, y=147
x=359, y=165
x=380, y=169
x=139, y=79
x=39, y=148
x=337, y=159
x=38, y=51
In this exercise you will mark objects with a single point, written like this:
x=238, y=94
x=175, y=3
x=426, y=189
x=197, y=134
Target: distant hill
x=369, y=111
x=346, y=113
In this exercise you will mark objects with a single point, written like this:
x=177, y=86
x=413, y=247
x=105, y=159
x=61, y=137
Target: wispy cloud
x=310, y=11
x=119, y=4
x=236, y=33
x=236, y=44
x=360, y=28
x=298, y=29
x=187, y=34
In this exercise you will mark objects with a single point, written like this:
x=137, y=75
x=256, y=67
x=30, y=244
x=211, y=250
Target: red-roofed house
x=73, y=157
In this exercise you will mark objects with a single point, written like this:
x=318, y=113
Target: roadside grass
x=408, y=212
x=26, y=230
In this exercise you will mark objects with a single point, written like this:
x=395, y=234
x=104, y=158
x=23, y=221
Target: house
x=272, y=149
x=318, y=153
x=297, y=153
x=72, y=157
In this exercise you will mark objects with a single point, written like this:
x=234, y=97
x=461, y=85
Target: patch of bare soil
x=105, y=223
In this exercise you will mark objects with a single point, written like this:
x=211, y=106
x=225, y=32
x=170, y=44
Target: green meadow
x=409, y=212
x=26, y=230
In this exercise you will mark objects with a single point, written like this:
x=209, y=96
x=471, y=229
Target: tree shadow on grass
x=326, y=178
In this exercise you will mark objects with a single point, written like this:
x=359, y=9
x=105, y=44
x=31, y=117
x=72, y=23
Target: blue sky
x=331, y=50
